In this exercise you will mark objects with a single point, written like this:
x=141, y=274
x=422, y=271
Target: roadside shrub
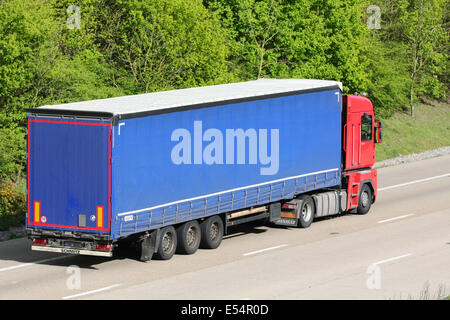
x=12, y=206
x=13, y=147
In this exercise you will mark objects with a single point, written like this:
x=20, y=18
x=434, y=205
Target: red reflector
x=103, y=247
x=40, y=242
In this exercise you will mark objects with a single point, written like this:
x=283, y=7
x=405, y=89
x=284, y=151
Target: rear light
x=104, y=247
x=39, y=242
x=288, y=206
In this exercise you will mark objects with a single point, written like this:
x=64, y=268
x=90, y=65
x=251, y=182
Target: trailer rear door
x=69, y=174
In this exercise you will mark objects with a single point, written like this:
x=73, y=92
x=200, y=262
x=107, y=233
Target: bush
x=13, y=147
x=389, y=86
x=12, y=206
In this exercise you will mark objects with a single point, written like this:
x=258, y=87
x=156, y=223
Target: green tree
x=423, y=30
x=26, y=28
x=162, y=44
x=388, y=73
x=388, y=87
x=303, y=39
x=252, y=27
x=329, y=41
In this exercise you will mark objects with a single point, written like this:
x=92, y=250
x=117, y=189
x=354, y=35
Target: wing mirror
x=378, y=132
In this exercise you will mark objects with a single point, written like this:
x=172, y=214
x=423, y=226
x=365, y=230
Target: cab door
x=353, y=142
x=359, y=144
x=367, y=143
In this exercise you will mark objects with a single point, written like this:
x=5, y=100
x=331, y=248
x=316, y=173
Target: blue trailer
x=172, y=170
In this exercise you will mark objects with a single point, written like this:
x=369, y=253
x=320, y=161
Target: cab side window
x=366, y=128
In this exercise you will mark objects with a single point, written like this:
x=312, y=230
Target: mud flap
x=275, y=212
x=148, y=245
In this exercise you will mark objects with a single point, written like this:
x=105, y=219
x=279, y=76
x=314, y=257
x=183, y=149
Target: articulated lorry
x=172, y=171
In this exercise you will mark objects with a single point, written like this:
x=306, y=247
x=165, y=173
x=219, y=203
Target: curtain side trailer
x=172, y=171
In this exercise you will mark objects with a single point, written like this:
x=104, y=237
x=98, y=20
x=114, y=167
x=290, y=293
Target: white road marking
x=18, y=266
x=392, y=259
x=262, y=250
x=396, y=218
x=90, y=292
x=415, y=181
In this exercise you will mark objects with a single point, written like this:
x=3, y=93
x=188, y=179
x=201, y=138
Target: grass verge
x=428, y=129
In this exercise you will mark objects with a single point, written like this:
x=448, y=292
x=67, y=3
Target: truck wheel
x=188, y=235
x=212, y=232
x=306, y=211
x=167, y=243
x=365, y=200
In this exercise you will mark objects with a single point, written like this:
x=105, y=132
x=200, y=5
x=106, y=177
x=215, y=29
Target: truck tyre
x=167, y=243
x=306, y=211
x=365, y=200
x=188, y=235
x=212, y=232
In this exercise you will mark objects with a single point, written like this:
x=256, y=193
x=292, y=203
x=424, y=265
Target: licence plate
x=73, y=251
x=286, y=222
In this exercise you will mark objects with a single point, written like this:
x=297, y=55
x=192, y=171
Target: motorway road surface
x=400, y=250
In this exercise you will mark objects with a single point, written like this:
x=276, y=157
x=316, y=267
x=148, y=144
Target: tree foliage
x=423, y=31
x=419, y=30
x=301, y=39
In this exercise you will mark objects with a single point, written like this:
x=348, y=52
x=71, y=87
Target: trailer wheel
x=212, y=232
x=188, y=235
x=306, y=211
x=365, y=200
x=167, y=243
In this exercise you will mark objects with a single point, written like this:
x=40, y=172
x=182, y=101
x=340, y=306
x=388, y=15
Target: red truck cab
x=360, y=133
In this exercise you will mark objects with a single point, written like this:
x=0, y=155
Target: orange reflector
x=99, y=217
x=288, y=215
x=37, y=211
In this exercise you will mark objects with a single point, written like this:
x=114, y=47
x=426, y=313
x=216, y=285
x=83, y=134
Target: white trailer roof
x=194, y=96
